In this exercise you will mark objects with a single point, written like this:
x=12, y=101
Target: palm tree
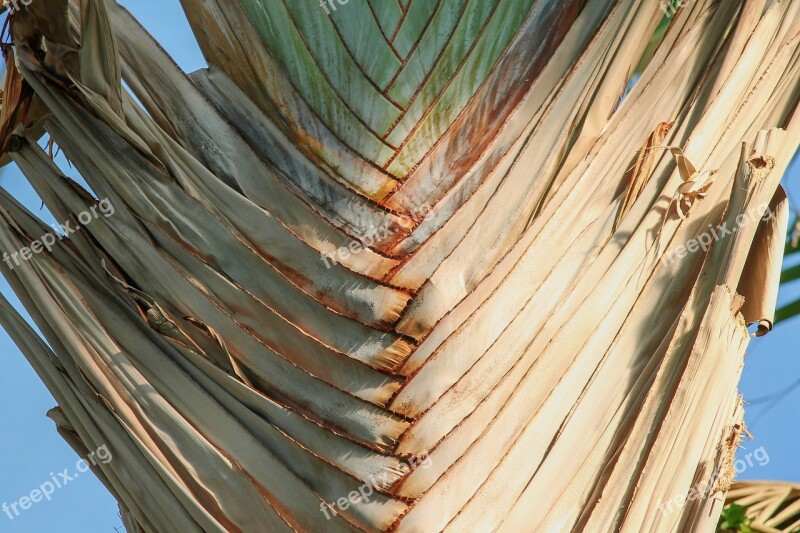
x=403, y=265
x=767, y=505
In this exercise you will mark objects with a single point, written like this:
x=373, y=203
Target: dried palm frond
x=772, y=505
x=268, y=338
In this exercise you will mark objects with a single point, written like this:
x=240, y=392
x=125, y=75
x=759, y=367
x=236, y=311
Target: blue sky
x=33, y=450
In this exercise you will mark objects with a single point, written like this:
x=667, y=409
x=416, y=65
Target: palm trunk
x=404, y=265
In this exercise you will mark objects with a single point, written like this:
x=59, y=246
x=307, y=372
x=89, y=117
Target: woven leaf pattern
x=397, y=248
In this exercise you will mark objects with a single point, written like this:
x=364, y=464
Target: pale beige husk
x=545, y=339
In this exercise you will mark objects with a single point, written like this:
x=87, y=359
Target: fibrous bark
x=421, y=250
